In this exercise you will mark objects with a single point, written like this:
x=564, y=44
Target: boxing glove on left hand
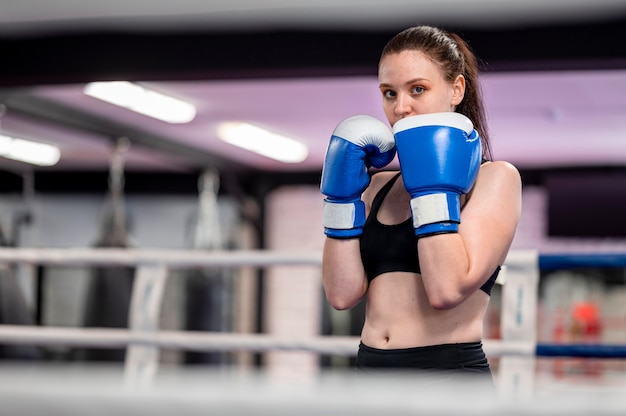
x=356, y=144
x=439, y=156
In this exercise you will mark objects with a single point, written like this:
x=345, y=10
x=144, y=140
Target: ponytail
x=472, y=104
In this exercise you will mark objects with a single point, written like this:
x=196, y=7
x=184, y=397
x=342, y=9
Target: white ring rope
x=186, y=340
x=144, y=338
x=144, y=332
x=171, y=257
x=175, y=258
x=209, y=341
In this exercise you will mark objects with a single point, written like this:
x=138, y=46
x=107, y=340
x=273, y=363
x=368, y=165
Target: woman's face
x=412, y=84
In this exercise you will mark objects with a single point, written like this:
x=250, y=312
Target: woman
x=426, y=291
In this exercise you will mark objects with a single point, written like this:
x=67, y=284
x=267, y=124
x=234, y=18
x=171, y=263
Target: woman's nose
x=403, y=106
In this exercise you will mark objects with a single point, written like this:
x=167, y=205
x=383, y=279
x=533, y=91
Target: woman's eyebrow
x=409, y=82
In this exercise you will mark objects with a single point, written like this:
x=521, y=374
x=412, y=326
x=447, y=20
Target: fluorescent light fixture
x=263, y=142
x=28, y=151
x=142, y=100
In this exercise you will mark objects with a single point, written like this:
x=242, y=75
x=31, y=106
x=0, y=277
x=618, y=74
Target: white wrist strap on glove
x=342, y=216
x=433, y=208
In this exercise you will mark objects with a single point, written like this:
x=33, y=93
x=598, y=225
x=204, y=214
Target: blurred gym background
x=554, y=80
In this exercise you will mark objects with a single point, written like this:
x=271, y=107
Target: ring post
x=142, y=360
x=519, y=322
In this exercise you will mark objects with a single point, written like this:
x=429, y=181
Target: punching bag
x=14, y=311
x=208, y=291
x=110, y=288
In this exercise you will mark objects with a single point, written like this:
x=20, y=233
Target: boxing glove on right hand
x=356, y=144
x=439, y=156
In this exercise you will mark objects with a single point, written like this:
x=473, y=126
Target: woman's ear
x=458, y=90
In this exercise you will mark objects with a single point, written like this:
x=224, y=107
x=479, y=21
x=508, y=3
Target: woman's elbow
x=340, y=305
x=443, y=302
x=444, y=296
x=342, y=302
x=442, y=305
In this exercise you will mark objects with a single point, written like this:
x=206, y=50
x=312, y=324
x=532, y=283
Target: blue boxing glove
x=440, y=155
x=356, y=144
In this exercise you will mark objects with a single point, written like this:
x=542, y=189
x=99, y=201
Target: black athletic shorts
x=449, y=361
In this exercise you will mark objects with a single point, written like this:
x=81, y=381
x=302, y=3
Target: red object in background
x=581, y=324
x=559, y=336
x=587, y=316
x=586, y=320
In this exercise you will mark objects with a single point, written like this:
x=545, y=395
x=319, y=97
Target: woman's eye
x=389, y=94
x=418, y=90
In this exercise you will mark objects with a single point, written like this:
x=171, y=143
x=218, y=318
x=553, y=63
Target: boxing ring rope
x=572, y=261
x=173, y=258
x=144, y=338
x=186, y=340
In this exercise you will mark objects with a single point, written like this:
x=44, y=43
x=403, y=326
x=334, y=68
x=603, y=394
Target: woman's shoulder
x=501, y=169
x=500, y=176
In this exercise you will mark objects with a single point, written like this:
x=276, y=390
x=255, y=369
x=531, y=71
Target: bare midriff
x=398, y=315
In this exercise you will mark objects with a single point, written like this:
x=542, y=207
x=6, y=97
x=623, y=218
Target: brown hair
x=455, y=57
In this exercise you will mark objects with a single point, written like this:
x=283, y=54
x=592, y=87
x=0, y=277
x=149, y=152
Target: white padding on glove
x=338, y=216
x=429, y=209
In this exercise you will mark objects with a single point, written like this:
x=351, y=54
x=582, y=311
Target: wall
x=532, y=230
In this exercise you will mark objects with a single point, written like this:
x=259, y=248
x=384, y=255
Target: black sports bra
x=389, y=248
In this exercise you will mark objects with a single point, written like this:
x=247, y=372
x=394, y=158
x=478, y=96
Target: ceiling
x=554, y=80
x=29, y=16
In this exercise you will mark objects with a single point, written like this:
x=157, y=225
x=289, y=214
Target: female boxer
x=424, y=245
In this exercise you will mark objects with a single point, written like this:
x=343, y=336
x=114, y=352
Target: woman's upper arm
x=490, y=217
x=455, y=265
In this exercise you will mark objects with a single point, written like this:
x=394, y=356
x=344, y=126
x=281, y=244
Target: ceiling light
x=28, y=151
x=263, y=142
x=142, y=100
